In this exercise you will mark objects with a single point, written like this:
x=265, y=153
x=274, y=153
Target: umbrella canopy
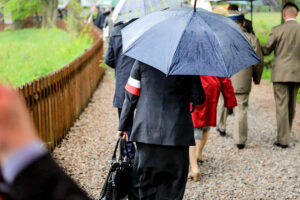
x=129, y=9
x=183, y=42
x=62, y=4
x=110, y=3
x=257, y=2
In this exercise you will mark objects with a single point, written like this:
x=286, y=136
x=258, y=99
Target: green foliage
x=21, y=9
x=267, y=74
x=31, y=53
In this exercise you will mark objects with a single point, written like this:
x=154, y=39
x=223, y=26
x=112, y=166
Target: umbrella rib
x=189, y=21
x=219, y=45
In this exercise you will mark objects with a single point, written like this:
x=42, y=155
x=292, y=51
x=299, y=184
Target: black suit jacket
x=45, y=180
x=99, y=22
x=122, y=64
x=162, y=106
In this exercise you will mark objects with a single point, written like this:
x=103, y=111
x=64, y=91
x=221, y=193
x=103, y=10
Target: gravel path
x=260, y=171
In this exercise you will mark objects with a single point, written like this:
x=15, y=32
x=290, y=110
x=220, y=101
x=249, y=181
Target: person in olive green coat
x=285, y=41
x=242, y=82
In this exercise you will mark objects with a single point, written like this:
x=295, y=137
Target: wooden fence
x=56, y=100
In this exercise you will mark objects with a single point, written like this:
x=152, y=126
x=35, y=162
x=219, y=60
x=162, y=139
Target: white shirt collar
x=290, y=19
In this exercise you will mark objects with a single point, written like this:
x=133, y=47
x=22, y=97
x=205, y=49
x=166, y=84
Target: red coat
x=206, y=113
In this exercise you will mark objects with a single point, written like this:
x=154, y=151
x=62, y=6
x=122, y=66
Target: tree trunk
x=283, y=2
x=74, y=21
x=18, y=24
x=50, y=13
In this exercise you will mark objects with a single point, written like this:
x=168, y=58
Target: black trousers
x=159, y=172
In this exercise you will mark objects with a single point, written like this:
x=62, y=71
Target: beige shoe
x=200, y=159
x=194, y=175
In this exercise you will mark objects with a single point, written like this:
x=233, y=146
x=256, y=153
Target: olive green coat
x=285, y=41
x=242, y=81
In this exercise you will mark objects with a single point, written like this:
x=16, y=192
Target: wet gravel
x=260, y=171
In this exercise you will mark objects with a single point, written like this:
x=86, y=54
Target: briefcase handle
x=121, y=144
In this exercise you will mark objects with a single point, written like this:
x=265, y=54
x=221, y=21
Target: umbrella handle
x=195, y=3
x=193, y=108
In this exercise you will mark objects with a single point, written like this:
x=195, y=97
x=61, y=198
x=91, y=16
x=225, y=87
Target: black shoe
x=222, y=133
x=240, y=146
x=280, y=145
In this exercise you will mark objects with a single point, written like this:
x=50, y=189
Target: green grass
x=28, y=54
x=262, y=24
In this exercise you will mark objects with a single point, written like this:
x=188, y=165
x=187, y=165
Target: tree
x=50, y=13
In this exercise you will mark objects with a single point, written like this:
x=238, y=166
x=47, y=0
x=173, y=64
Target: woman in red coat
x=204, y=116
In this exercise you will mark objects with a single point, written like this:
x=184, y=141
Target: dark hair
x=287, y=4
x=233, y=7
x=118, y=23
x=239, y=21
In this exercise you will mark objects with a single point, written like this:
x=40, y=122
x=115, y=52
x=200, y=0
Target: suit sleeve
x=270, y=45
x=228, y=93
x=197, y=92
x=132, y=93
x=44, y=179
x=258, y=68
x=109, y=58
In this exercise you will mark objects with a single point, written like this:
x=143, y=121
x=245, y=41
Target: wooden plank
x=50, y=111
x=56, y=101
x=37, y=98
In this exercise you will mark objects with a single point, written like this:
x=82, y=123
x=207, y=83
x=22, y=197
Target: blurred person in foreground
x=28, y=171
x=285, y=41
x=242, y=83
x=204, y=116
x=122, y=64
x=162, y=129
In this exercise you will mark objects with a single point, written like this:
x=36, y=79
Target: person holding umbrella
x=162, y=130
x=172, y=48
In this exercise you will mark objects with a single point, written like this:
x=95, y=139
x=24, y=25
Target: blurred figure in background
x=91, y=14
x=99, y=22
x=28, y=170
x=285, y=41
x=204, y=116
x=108, y=25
